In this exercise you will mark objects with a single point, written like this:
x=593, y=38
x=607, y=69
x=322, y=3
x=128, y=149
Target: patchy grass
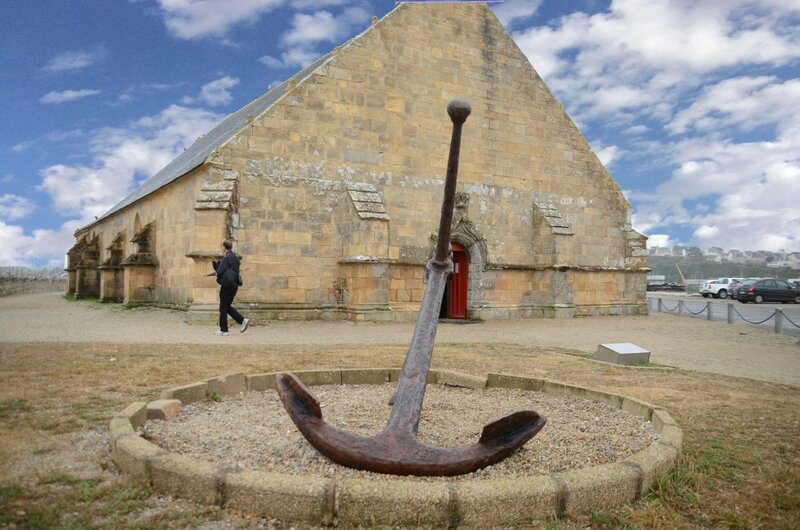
x=738, y=469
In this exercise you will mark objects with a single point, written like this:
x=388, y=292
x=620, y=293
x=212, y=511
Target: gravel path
x=253, y=431
x=693, y=344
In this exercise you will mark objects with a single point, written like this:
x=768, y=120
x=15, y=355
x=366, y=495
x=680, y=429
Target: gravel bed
x=253, y=431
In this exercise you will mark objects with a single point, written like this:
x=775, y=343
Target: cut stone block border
x=362, y=502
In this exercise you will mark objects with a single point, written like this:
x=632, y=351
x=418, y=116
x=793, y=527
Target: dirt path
x=692, y=344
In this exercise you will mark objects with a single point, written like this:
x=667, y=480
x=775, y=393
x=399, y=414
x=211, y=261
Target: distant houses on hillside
x=720, y=255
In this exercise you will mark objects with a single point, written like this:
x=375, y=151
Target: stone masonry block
x=394, y=375
x=660, y=418
x=260, y=382
x=611, y=400
x=599, y=487
x=506, y=502
x=228, y=384
x=672, y=435
x=187, y=393
x=136, y=413
x=187, y=477
x=655, y=461
x=163, y=409
x=320, y=377
x=281, y=496
x=414, y=504
x=374, y=376
x=446, y=377
x=637, y=407
x=133, y=455
x=512, y=381
x=119, y=426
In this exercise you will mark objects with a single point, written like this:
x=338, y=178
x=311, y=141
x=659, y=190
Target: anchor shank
x=407, y=406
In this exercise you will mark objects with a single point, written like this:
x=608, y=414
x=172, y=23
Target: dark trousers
x=226, y=296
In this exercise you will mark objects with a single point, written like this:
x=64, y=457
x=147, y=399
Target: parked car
x=718, y=288
x=768, y=290
x=733, y=288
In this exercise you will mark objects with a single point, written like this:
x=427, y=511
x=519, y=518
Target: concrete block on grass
x=370, y=503
x=281, y=496
x=187, y=393
x=163, y=409
x=624, y=353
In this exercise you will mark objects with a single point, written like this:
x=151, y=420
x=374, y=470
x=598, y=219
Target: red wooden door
x=458, y=285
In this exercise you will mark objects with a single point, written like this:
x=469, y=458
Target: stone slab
x=187, y=393
x=133, y=454
x=446, y=377
x=512, y=381
x=135, y=412
x=227, y=384
x=506, y=502
x=261, y=382
x=186, y=477
x=624, y=353
x=373, y=376
x=413, y=504
x=163, y=409
x=599, y=487
x=654, y=461
x=281, y=496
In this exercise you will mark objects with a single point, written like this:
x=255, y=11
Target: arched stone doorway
x=454, y=303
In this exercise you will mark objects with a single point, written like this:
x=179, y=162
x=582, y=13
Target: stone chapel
x=330, y=186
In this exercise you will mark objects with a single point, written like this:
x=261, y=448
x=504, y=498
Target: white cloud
x=192, y=19
x=120, y=156
x=606, y=153
x=513, y=10
x=745, y=102
x=51, y=137
x=69, y=61
x=67, y=95
x=13, y=207
x=271, y=62
x=42, y=247
x=310, y=29
x=316, y=4
x=643, y=56
x=660, y=240
x=215, y=93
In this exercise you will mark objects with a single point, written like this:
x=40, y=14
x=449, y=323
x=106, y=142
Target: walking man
x=229, y=281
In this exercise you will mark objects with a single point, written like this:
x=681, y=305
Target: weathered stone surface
x=261, y=382
x=446, y=377
x=655, y=461
x=320, y=377
x=228, y=384
x=637, y=407
x=506, y=502
x=280, y=496
x=372, y=376
x=187, y=477
x=411, y=504
x=163, y=409
x=512, y=381
x=187, y=393
x=136, y=413
x=133, y=455
x=599, y=487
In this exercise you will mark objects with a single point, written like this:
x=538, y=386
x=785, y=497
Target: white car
x=718, y=288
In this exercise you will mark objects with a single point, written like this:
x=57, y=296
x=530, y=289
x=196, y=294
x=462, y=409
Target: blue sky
x=694, y=106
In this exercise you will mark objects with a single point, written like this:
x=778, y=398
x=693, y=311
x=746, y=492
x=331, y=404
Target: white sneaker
x=245, y=323
x=219, y=333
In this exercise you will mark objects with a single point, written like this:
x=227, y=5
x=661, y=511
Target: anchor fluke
x=396, y=449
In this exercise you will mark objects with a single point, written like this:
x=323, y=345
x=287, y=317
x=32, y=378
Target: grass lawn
x=740, y=467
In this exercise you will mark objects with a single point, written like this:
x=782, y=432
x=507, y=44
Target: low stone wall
x=12, y=286
x=360, y=502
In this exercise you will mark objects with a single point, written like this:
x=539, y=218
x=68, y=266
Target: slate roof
x=197, y=153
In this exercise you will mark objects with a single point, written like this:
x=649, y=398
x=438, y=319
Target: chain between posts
x=778, y=314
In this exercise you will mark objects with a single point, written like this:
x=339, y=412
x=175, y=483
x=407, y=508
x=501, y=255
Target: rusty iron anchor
x=396, y=449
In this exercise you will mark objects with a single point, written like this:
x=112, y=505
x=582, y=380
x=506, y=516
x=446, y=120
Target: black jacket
x=228, y=270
